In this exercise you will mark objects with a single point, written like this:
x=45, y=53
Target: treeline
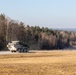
x=34, y=36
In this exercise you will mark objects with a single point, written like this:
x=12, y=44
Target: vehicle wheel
x=24, y=49
x=21, y=50
x=12, y=51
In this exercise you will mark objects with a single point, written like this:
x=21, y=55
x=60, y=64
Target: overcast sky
x=47, y=13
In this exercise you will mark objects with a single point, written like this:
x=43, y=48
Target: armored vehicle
x=17, y=46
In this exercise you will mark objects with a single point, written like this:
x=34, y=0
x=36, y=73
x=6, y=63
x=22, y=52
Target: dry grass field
x=39, y=63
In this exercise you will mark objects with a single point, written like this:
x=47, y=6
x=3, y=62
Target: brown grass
x=39, y=63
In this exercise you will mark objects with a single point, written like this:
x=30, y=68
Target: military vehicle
x=17, y=46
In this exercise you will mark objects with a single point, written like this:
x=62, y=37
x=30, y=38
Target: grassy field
x=39, y=63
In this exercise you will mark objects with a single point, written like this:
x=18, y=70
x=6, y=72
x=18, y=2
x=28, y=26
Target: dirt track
x=6, y=52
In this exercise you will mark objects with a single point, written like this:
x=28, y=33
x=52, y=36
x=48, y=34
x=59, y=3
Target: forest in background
x=38, y=38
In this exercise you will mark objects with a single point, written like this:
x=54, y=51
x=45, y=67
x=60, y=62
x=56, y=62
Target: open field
x=39, y=63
